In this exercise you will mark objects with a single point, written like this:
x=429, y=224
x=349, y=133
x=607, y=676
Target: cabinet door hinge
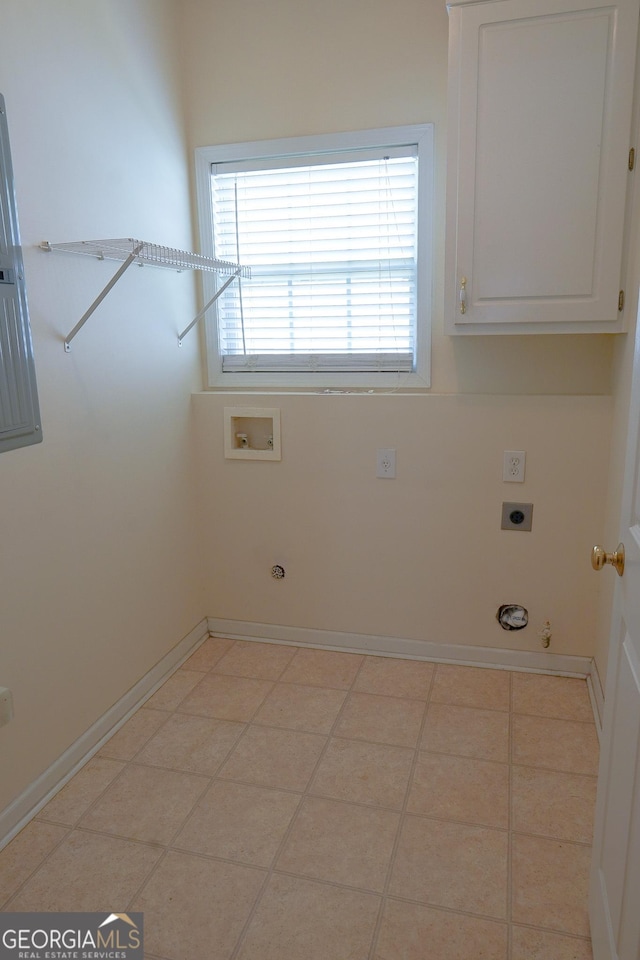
x=621, y=300
x=632, y=158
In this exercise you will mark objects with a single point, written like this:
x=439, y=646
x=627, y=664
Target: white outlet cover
x=513, y=466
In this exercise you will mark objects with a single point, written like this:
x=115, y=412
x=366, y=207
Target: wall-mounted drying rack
x=139, y=251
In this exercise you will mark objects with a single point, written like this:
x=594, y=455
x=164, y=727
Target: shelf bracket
x=96, y=303
x=207, y=305
x=139, y=251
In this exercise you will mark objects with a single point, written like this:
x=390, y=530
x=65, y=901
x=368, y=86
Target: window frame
x=421, y=135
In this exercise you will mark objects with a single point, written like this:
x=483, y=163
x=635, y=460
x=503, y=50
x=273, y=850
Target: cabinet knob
x=463, y=295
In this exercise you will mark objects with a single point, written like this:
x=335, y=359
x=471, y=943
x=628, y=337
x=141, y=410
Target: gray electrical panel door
x=19, y=411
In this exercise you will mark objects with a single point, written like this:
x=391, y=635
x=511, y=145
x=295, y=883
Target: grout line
x=401, y=821
x=96, y=799
x=294, y=819
x=548, y=716
x=138, y=892
x=336, y=884
x=144, y=744
x=567, y=773
x=68, y=831
x=167, y=846
x=555, y=931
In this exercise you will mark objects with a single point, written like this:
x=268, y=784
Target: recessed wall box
x=517, y=516
x=252, y=433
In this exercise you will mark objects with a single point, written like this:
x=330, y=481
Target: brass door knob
x=599, y=557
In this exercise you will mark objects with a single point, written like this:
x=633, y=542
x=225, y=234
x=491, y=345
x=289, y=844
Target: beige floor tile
x=80, y=792
x=145, y=803
x=471, y=687
x=86, y=872
x=209, y=653
x=304, y=920
x=461, y=788
x=341, y=843
x=466, y=732
x=551, y=804
x=196, y=908
x=266, y=661
x=25, y=853
x=452, y=865
x=323, y=668
x=530, y=944
x=381, y=719
x=226, y=698
x=555, y=744
x=193, y=744
x=236, y=821
x=565, y=698
x=274, y=758
x=300, y=707
x=174, y=690
x=411, y=931
x=364, y=773
x=395, y=678
x=448, y=887
x=133, y=735
x=550, y=883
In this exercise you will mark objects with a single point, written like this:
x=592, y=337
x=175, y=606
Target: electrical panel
x=19, y=410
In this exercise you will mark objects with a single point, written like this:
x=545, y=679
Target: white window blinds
x=331, y=242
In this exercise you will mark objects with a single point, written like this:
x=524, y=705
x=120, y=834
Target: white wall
x=422, y=556
x=98, y=548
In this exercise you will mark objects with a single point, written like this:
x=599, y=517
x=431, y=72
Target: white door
x=615, y=873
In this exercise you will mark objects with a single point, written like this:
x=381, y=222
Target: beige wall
x=98, y=554
x=100, y=559
x=421, y=556
x=256, y=70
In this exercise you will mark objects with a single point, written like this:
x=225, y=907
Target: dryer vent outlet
x=517, y=516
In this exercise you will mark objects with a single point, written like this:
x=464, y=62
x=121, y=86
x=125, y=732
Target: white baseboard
x=14, y=817
x=525, y=660
x=596, y=693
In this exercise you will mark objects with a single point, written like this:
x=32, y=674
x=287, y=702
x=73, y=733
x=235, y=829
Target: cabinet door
x=540, y=103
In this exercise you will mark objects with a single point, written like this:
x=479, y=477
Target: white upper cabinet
x=539, y=127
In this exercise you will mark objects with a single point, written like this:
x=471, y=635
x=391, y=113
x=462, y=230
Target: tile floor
x=277, y=803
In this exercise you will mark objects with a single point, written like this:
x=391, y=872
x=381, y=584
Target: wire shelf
x=151, y=254
x=130, y=251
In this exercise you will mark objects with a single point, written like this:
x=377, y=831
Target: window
x=336, y=232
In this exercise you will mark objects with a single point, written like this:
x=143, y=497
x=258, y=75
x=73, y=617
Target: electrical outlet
x=386, y=463
x=513, y=466
x=517, y=516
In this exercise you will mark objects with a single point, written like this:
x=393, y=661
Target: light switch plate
x=386, y=463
